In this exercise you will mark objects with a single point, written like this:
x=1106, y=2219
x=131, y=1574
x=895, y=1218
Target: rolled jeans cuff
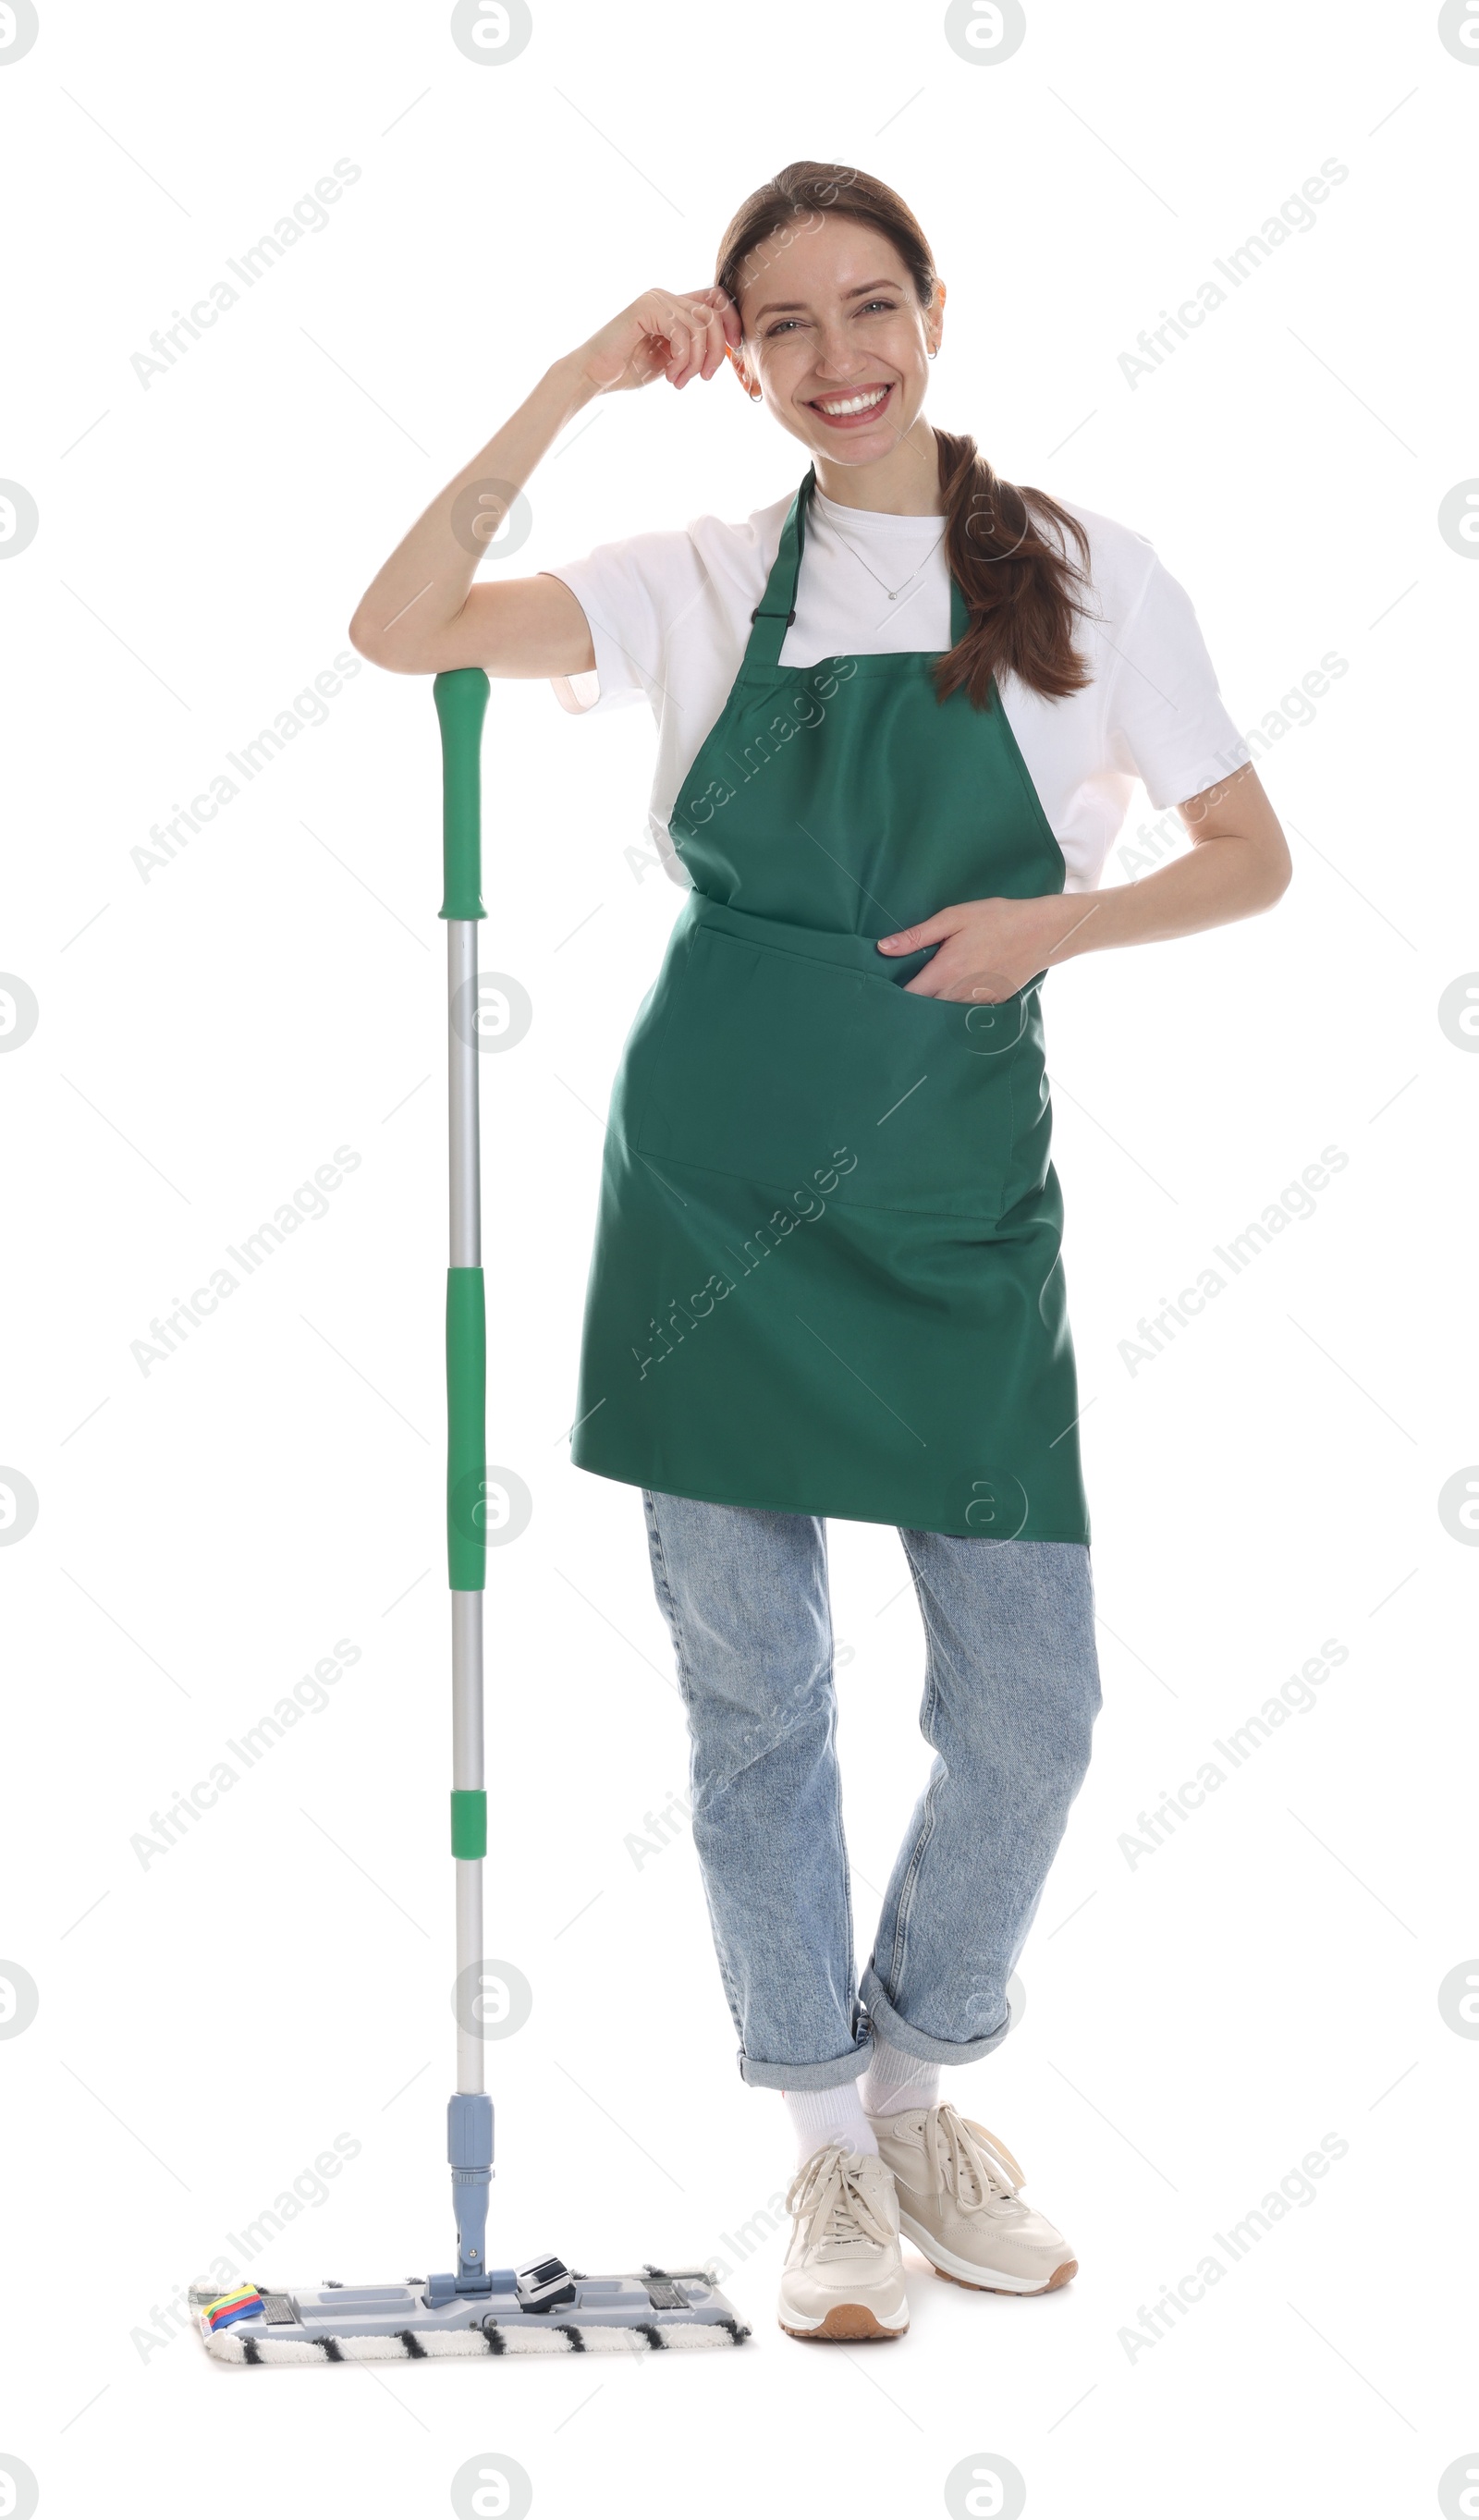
x=809, y=2078
x=900, y=2033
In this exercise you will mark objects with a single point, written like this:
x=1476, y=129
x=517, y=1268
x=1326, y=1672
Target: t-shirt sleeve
x=1166, y=722
x=629, y=592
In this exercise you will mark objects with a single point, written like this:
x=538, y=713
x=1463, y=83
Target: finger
x=680, y=335
x=928, y=932
x=715, y=347
x=665, y=346
x=725, y=317
x=689, y=330
x=731, y=330
x=680, y=346
x=707, y=332
x=699, y=319
x=695, y=320
x=652, y=352
x=965, y=988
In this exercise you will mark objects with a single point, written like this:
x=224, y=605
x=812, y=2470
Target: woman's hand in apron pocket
x=988, y=950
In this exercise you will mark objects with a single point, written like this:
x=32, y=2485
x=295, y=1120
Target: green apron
x=827, y=1276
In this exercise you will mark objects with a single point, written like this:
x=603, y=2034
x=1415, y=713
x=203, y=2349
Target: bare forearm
x=425, y=583
x=423, y=615
x=1239, y=864
x=1230, y=877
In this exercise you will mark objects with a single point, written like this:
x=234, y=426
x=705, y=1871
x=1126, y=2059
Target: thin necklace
x=892, y=592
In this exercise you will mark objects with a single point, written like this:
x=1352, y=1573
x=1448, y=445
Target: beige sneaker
x=959, y=2203
x=843, y=2278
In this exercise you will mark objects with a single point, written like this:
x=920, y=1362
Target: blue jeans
x=1010, y=1693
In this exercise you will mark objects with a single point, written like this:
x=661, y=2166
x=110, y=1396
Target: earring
x=935, y=354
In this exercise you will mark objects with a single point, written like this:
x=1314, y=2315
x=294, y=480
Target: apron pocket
x=821, y=1081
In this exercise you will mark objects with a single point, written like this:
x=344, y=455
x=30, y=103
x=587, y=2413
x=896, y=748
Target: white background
x=1194, y=2024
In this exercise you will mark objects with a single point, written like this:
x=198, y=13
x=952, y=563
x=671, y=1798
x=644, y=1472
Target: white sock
x=896, y=2081
x=833, y=2116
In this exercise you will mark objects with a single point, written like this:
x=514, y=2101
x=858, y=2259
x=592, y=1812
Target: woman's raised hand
x=677, y=334
x=422, y=614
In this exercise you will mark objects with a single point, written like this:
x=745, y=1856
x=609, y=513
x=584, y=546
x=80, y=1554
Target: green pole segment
x=469, y=1825
x=462, y=699
x=467, y=1437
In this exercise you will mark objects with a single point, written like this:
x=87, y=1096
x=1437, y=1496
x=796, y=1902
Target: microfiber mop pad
x=401, y=2323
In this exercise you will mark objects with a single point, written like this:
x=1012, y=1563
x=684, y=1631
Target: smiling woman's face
x=837, y=339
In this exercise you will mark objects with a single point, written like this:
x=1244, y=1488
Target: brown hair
x=1020, y=586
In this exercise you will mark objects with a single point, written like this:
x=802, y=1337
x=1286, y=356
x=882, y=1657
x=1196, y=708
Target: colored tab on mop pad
x=244, y=2303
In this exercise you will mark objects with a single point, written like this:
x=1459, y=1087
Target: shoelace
x=962, y=2157
x=827, y=2191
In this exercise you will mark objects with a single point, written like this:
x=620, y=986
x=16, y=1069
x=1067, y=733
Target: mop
x=544, y=2307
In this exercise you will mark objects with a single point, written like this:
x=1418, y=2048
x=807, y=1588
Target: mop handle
x=462, y=699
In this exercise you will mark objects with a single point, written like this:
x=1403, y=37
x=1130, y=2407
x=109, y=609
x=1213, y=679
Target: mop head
x=650, y=2312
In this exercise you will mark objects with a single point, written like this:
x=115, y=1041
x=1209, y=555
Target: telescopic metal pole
x=462, y=699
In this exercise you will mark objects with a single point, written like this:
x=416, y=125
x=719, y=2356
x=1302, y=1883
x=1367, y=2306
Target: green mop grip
x=469, y=1825
x=462, y=699
x=467, y=1442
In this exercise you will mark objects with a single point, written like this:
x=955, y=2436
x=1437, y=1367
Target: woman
x=900, y=714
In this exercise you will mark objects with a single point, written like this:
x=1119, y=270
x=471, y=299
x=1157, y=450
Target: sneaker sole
x=847, y=2322
x=958, y=2270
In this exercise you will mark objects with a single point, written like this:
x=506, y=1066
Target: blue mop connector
x=470, y=2150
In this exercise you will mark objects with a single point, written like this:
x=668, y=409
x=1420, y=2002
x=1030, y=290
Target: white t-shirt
x=669, y=615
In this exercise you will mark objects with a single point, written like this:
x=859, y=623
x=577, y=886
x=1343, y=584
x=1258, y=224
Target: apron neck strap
x=777, y=608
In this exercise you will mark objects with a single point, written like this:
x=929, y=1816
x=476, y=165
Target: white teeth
x=858, y=402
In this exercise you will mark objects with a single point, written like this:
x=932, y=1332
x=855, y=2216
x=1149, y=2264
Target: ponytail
x=1021, y=588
